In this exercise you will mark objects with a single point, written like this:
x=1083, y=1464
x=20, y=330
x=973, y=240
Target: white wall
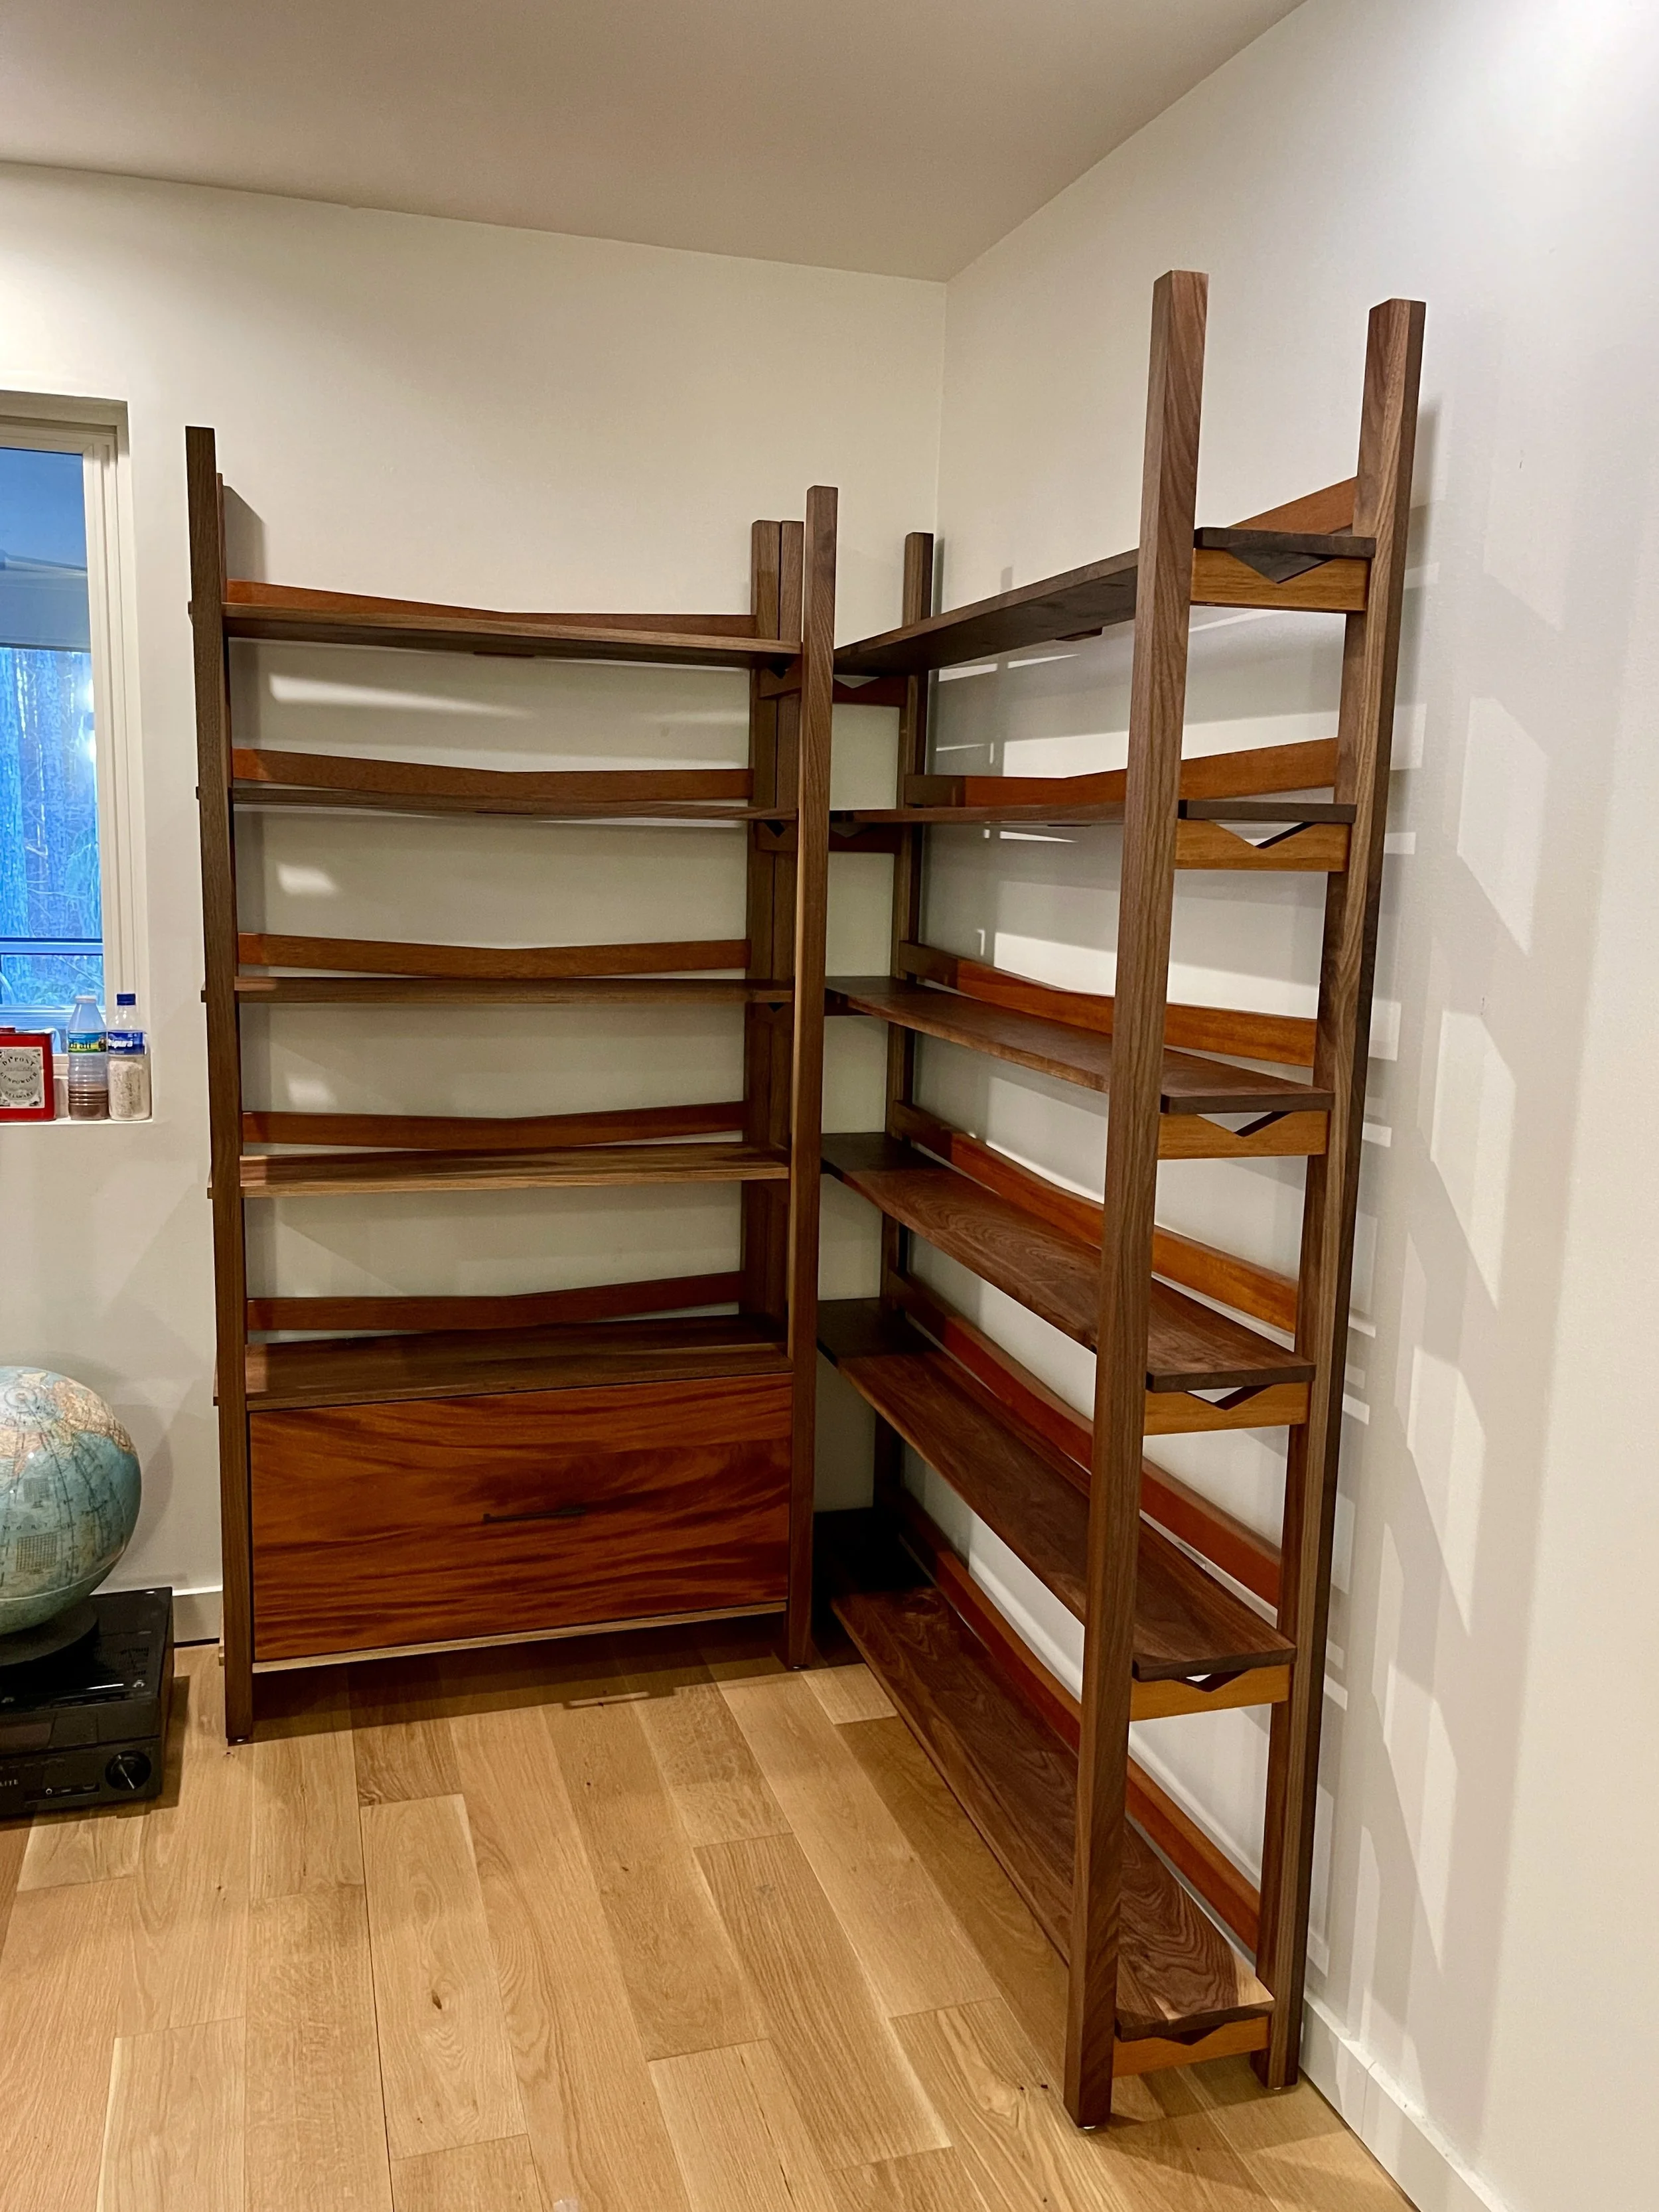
x=1485, y=1949
x=447, y=411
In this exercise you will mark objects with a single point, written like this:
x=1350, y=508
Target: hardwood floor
x=638, y=1925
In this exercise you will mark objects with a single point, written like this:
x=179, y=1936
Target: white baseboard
x=1400, y=2136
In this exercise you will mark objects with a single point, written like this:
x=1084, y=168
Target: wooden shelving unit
x=1184, y=1610
x=447, y=1470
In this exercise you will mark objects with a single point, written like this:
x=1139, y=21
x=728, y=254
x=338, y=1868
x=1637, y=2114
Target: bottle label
x=87, y=1044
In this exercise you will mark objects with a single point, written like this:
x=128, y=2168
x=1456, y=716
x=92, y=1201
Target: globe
x=68, y=1494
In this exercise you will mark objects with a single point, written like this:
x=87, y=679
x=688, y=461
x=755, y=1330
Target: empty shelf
x=276, y=613
x=525, y=991
x=1186, y=1624
x=1191, y=1084
x=1178, y=1976
x=300, y=1174
x=1190, y=1346
x=270, y=778
x=1082, y=601
x=359, y=1370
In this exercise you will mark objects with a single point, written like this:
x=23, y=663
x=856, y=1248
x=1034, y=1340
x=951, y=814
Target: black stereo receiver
x=87, y=1725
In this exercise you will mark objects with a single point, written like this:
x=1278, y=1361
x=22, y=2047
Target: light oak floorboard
x=61, y=1978
x=14, y=1844
x=849, y=1693
x=486, y=2177
x=1024, y=1965
x=305, y=1833
x=315, y=2128
x=856, y=2091
x=932, y=2181
x=683, y=1981
x=61, y=1849
x=738, y=2137
x=190, y=1885
x=1294, y=2145
x=908, y=1941
x=173, y=2135
x=399, y=1734
x=446, y=2068
x=719, y=1792
x=1008, y=2126
x=596, y=2129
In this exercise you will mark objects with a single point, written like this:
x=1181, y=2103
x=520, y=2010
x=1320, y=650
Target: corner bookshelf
x=1175, y=1955
x=403, y=1473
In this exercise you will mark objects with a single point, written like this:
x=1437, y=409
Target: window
x=65, y=840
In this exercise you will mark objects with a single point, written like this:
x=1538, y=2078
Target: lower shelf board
x=1180, y=1981
x=473, y=1363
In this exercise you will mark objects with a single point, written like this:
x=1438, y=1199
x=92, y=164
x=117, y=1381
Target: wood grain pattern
x=1104, y=1897
x=1236, y=1283
x=513, y=963
x=1287, y=1039
x=849, y=1693
x=63, y=1849
x=1281, y=1137
x=1098, y=595
x=718, y=1790
x=335, y=1175
x=683, y=1981
x=1194, y=1855
x=1025, y=1966
x=482, y=1514
x=913, y=1949
x=400, y=1732
x=741, y=2140
x=486, y=991
x=932, y=2181
x=1365, y=735
x=1189, y=1346
x=513, y=790
x=857, y=2096
x=1331, y=509
x=479, y=1133
x=595, y=2125
x=174, y=2131
x=305, y=1789
x=61, y=1978
x=219, y=933
x=1309, y=764
x=191, y=1883
x=806, y=1061
x=485, y=2177
x=1187, y=1084
x=358, y=1371
x=1315, y=848
x=315, y=2125
x=774, y=562
x=284, y=614
x=446, y=2067
x=526, y=1309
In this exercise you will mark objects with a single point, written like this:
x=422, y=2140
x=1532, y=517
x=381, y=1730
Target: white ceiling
x=898, y=136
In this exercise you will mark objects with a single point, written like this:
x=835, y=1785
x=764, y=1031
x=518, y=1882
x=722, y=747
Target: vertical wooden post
x=1370, y=656
x=807, y=1079
x=918, y=604
x=765, y=1209
x=224, y=1068
x=1156, y=706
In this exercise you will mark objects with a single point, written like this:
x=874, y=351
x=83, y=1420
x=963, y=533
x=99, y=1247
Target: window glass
x=51, y=917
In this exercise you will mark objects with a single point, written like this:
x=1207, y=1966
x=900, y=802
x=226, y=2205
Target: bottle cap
x=127, y=998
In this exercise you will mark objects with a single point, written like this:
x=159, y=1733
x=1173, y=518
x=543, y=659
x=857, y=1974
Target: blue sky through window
x=51, y=916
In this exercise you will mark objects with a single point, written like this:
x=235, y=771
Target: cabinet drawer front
x=437, y=1519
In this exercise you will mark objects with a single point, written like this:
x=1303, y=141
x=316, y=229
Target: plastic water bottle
x=88, y=1083
x=128, y=1062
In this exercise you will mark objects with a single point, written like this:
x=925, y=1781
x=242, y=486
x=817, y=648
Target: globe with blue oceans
x=68, y=1494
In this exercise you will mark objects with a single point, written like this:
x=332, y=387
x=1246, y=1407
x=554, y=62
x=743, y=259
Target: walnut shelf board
x=291, y=1175
x=279, y=614
x=1177, y=1974
x=1186, y=1624
x=363, y=1371
x=1096, y=597
x=531, y=991
x=1060, y=813
x=1190, y=1346
x=266, y=777
x=1192, y=1083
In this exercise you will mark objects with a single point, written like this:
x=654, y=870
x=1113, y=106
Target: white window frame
x=97, y=431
